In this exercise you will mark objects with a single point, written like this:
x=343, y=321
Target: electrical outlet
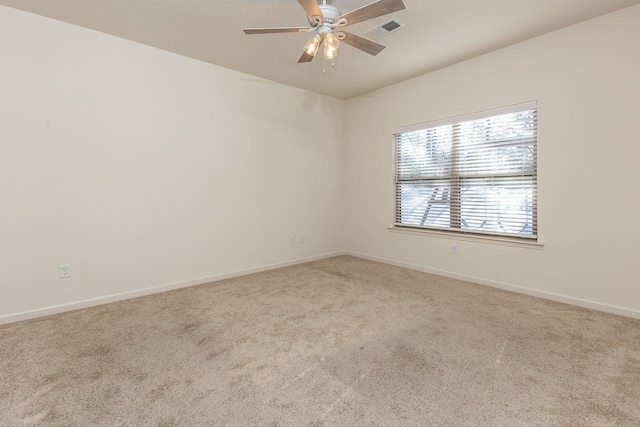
x=302, y=239
x=64, y=271
x=292, y=240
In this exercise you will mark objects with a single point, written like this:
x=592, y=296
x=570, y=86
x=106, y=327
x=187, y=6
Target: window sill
x=493, y=240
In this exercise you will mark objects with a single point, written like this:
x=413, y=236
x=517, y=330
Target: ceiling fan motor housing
x=330, y=14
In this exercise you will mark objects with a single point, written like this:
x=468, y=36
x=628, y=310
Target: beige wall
x=586, y=81
x=142, y=168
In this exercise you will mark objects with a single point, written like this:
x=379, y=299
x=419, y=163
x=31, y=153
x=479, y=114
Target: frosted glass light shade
x=311, y=48
x=331, y=44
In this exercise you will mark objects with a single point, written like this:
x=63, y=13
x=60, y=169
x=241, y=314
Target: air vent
x=382, y=30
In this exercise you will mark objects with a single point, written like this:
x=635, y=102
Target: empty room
x=319, y=213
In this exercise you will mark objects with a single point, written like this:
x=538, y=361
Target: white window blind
x=475, y=175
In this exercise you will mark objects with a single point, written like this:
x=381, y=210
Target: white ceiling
x=438, y=33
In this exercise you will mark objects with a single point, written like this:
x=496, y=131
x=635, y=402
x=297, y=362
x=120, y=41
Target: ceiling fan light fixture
x=331, y=45
x=311, y=48
x=330, y=53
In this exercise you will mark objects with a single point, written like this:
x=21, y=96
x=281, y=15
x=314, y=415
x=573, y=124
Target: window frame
x=474, y=235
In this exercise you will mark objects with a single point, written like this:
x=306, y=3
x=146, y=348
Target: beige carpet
x=341, y=341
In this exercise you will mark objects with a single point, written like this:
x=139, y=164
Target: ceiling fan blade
x=312, y=9
x=274, y=30
x=372, y=48
x=305, y=58
x=372, y=10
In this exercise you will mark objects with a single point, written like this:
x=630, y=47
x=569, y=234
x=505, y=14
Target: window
x=476, y=174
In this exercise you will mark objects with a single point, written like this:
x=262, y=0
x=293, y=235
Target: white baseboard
x=46, y=311
x=608, y=308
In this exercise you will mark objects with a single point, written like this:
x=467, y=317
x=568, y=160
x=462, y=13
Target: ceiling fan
x=327, y=22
